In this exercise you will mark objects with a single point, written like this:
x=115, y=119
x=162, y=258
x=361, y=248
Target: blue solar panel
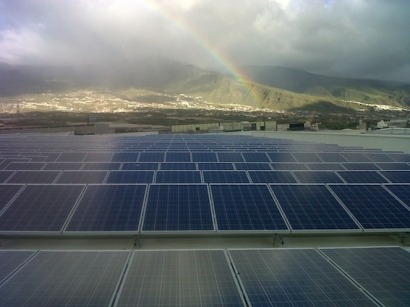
x=373, y=206
x=65, y=278
x=317, y=177
x=178, y=208
x=98, y=157
x=215, y=166
x=178, y=157
x=91, y=166
x=4, y=175
x=71, y=157
x=246, y=207
x=33, y=177
x=108, y=208
x=25, y=166
x=63, y=166
x=289, y=166
x=253, y=166
x=7, y=192
x=324, y=166
x=397, y=176
x=151, y=157
x=271, y=177
x=40, y=208
x=402, y=191
x=312, y=207
x=125, y=157
x=11, y=260
x=281, y=157
x=82, y=177
x=360, y=166
x=306, y=157
x=255, y=157
x=294, y=277
x=225, y=177
x=383, y=272
x=230, y=157
x=393, y=166
x=130, y=177
x=331, y=157
x=178, y=177
x=178, y=166
x=361, y=177
x=140, y=166
x=204, y=157
x=379, y=157
x=402, y=157
x=355, y=157
x=179, y=278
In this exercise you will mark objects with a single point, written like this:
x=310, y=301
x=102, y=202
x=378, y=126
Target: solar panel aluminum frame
x=176, y=233
x=239, y=287
x=268, y=233
x=359, y=230
x=370, y=231
x=46, y=233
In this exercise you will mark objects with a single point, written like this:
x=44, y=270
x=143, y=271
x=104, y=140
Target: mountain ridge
x=271, y=87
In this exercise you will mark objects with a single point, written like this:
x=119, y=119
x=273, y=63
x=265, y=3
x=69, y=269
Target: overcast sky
x=354, y=38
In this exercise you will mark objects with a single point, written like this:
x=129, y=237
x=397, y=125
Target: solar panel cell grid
x=178, y=207
x=402, y=191
x=230, y=157
x=70, y=278
x=271, y=177
x=178, y=157
x=225, y=177
x=152, y=157
x=4, y=175
x=174, y=166
x=317, y=177
x=397, y=176
x=360, y=166
x=108, y=208
x=25, y=166
x=255, y=157
x=68, y=177
x=246, y=207
x=312, y=207
x=393, y=166
x=361, y=177
x=373, y=206
x=179, y=278
x=140, y=166
x=11, y=260
x=253, y=166
x=40, y=208
x=34, y=177
x=300, y=277
x=130, y=177
x=7, y=192
x=289, y=166
x=178, y=177
x=204, y=157
x=384, y=272
x=306, y=157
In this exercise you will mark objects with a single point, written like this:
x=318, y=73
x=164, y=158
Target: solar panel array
x=373, y=276
x=198, y=183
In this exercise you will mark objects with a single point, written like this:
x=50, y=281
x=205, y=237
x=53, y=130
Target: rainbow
x=212, y=50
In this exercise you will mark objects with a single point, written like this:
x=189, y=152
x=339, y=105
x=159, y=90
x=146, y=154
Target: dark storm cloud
x=355, y=38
